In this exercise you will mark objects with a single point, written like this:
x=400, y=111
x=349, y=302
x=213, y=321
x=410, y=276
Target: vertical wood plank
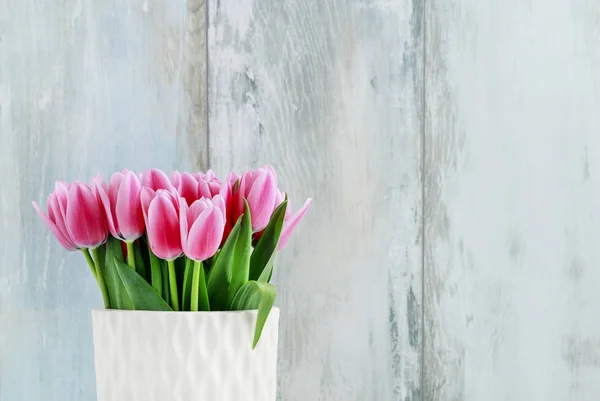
x=511, y=203
x=84, y=87
x=329, y=93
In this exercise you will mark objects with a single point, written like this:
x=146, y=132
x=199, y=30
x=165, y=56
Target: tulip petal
x=250, y=177
x=218, y=201
x=205, y=235
x=155, y=179
x=210, y=175
x=176, y=178
x=113, y=193
x=204, y=189
x=183, y=224
x=188, y=188
x=163, y=228
x=289, y=225
x=261, y=199
x=197, y=208
x=60, y=190
x=85, y=220
x=146, y=196
x=100, y=188
x=55, y=207
x=128, y=210
x=64, y=241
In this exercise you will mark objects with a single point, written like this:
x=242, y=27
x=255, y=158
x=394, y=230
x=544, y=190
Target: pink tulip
x=209, y=185
x=155, y=179
x=259, y=188
x=122, y=206
x=201, y=227
x=161, y=214
x=74, y=216
x=195, y=186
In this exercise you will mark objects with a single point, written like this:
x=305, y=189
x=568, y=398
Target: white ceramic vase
x=184, y=356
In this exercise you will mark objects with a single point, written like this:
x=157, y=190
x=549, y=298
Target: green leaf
x=116, y=290
x=256, y=295
x=219, y=276
x=141, y=295
x=240, y=269
x=140, y=265
x=187, y=285
x=263, y=257
x=156, y=275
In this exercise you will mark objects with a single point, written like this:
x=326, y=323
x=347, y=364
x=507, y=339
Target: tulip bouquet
x=191, y=242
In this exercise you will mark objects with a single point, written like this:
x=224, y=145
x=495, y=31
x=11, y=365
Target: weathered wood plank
x=328, y=92
x=512, y=189
x=84, y=87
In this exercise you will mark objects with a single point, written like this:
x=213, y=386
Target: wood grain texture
x=329, y=93
x=511, y=202
x=84, y=87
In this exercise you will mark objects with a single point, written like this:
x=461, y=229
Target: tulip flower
x=161, y=215
x=74, y=216
x=192, y=187
x=201, y=226
x=209, y=185
x=259, y=188
x=122, y=206
x=155, y=179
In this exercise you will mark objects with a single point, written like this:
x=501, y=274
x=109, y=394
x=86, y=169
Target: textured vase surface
x=184, y=356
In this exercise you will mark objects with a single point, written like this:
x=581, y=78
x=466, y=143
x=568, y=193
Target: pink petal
x=55, y=207
x=225, y=192
x=289, y=225
x=210, y=175
x=146, y=196
x=183, y=223
x=196, y=209
x=214, y=187
x=155, y=179
x=205, y=234
x=232, y=178
x=261, y=199
x=99, y=187
x=250, y=177
x=269, y=167
x=204, y=189
x=172, y=195
x=163, y=228
x=64, y=241
x=128, y=211
x=113, y=192
x=188, y=188
x=238, y=195
x=85, y=220
x=60, y=190
x=176, y=178
x=218, y=201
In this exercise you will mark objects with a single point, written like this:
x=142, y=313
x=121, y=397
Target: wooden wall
x=450, y=147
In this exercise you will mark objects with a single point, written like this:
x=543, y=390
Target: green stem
x=204, y=304
x=130, y=255
x=89, y=261
x=173, y=285
x=195, y=285
x=100, y=278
